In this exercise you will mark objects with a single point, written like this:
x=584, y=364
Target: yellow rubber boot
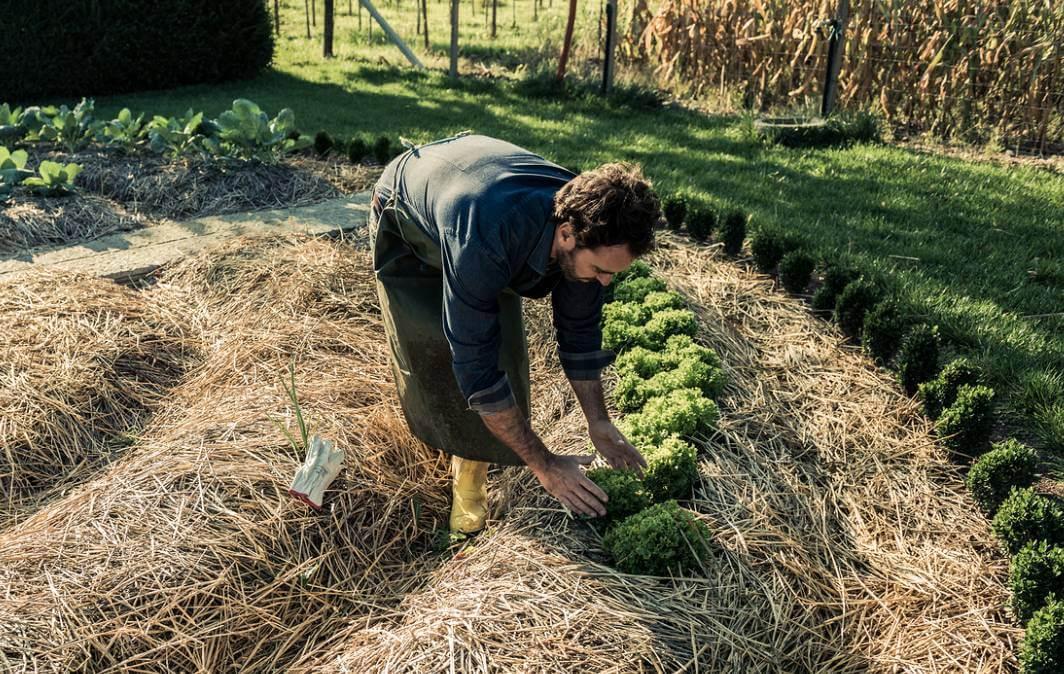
x=469, y=510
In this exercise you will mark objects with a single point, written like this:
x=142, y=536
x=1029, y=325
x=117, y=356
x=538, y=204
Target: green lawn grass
x=958, y=236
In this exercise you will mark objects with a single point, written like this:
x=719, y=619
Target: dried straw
x=187, y=554
x=31, y=222
x=844, y=539
x=84, y=364
x=189, y=187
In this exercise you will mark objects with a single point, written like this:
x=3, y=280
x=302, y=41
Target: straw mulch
x=844, y=538
x=187, y=554
x=188, y=187
x=83, y=363
x=32, y=222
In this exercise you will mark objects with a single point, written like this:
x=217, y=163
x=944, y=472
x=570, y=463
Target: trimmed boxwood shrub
x=1042, y=651
x=1008, y=464
x=964, y=427
x=768, y=246
x=796, y=268
x=674, y=208
x=1026, y=516
x=625, y=492
x=836, y=278
x=854, y=302
x=382, y=150
x=357, y=149
x=733, y=233
x=941, y=392
x=701, y=222
x=636, y=289
x=63, y=48
x=323, y=142
x=918, y=356
x=661, y=539
x=884, y=326
x=681, y=412
x=1036, y=575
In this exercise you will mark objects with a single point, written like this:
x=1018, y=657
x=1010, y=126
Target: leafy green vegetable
x=123, y=131
x=681, y=412
x=73, y=129
x=11, y=126
x=245, y=131
x=53, y=178
x=12, y=169
x=658, y=540
x=625, y=492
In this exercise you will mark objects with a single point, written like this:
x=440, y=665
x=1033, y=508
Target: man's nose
x=605, y=279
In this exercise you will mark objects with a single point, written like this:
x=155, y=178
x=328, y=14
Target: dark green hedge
x=96, y=47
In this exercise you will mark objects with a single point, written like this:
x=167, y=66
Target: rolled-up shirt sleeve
x=472, y=281
x=577, y=308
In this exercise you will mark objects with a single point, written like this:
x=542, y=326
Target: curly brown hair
x=611, y=205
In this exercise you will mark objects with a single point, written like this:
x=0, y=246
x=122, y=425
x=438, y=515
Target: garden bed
x=127, y=191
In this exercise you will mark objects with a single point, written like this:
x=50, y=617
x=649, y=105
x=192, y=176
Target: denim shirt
x=488, y=205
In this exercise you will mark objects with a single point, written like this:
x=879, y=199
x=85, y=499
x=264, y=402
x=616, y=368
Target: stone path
x=128, y=256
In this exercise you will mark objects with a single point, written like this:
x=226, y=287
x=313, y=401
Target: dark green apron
x=410, y=287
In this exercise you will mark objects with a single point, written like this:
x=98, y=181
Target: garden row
x=244, y=132
x=667, y=383
x=1029, y=525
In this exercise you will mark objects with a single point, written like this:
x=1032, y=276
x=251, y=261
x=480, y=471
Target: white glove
x=322, y=465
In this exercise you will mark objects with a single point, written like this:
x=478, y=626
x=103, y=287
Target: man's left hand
x=614, y=447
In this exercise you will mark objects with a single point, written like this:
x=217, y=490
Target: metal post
x=831, y=77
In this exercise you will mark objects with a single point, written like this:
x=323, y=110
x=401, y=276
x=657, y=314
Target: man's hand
x=616, y=449
x=563, y=479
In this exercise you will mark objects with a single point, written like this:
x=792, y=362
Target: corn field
x=974, y=69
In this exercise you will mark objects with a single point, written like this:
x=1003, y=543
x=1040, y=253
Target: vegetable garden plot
x=842, y=538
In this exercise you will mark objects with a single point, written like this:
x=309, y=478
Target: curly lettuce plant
x=659, y=540
x=681, y=412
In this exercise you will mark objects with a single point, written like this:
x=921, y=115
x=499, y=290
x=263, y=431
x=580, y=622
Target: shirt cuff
x=495, y=398
x=583, y=366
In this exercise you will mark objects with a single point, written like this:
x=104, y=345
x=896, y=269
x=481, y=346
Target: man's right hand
x=563, y=479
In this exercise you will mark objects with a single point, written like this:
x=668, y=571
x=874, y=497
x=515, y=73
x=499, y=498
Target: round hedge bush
x=855, y=300
x=884, y=325
x=768, y=246
x=1008, y=464
x=701, y=222
x=674, y=208
x=1042, y=651
x=1026, y=516
x=796, y=268
x=918, y=356
x=1036, y=575
x=836, y=278
x=733, y=232
x=658, y=540
x=964, y=427
x=941, y=392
